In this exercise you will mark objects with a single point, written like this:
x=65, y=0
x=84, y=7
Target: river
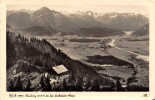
x=138, y=56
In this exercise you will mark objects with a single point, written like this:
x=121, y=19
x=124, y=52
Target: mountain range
x=124, y=21
x=58, y=21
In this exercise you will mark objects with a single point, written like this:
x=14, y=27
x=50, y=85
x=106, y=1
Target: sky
x=95, y=8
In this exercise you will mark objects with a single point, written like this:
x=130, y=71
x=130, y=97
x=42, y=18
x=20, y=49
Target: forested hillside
x=33, y=57
x=98, y=32
x=142, y=31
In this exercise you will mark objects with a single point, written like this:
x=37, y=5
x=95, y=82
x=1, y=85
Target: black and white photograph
x=81, y=48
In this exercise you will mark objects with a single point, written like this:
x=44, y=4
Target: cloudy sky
x=95, y=8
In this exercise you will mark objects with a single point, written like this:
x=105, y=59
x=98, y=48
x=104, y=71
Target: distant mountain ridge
x=121, y=21
x=124, y=21
x=142, y=31
x=19, y=20
x=49, y=18
x=72, y=22
x=95, y=14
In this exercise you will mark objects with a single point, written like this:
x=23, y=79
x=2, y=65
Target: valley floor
x=80, y=50
x=138, y=45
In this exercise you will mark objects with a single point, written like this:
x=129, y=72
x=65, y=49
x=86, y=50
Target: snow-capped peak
x=113, y=16
x=65, y=12
x=89, y=13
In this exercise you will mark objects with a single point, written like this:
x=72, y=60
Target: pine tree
x=11, y=86
x=64, y=84
x=118, y=85
x=45, y=83
x=28, y=86
x=18, y=86
x=19, y=36
x=48, y=85
x=95, y=85
x=42, y=82
x=78, y=87
x=80, y=81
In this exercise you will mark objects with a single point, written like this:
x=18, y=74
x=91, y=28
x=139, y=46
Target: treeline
x=84, y=40
x=18, y=86
x=97, y=59
x=67, y=85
